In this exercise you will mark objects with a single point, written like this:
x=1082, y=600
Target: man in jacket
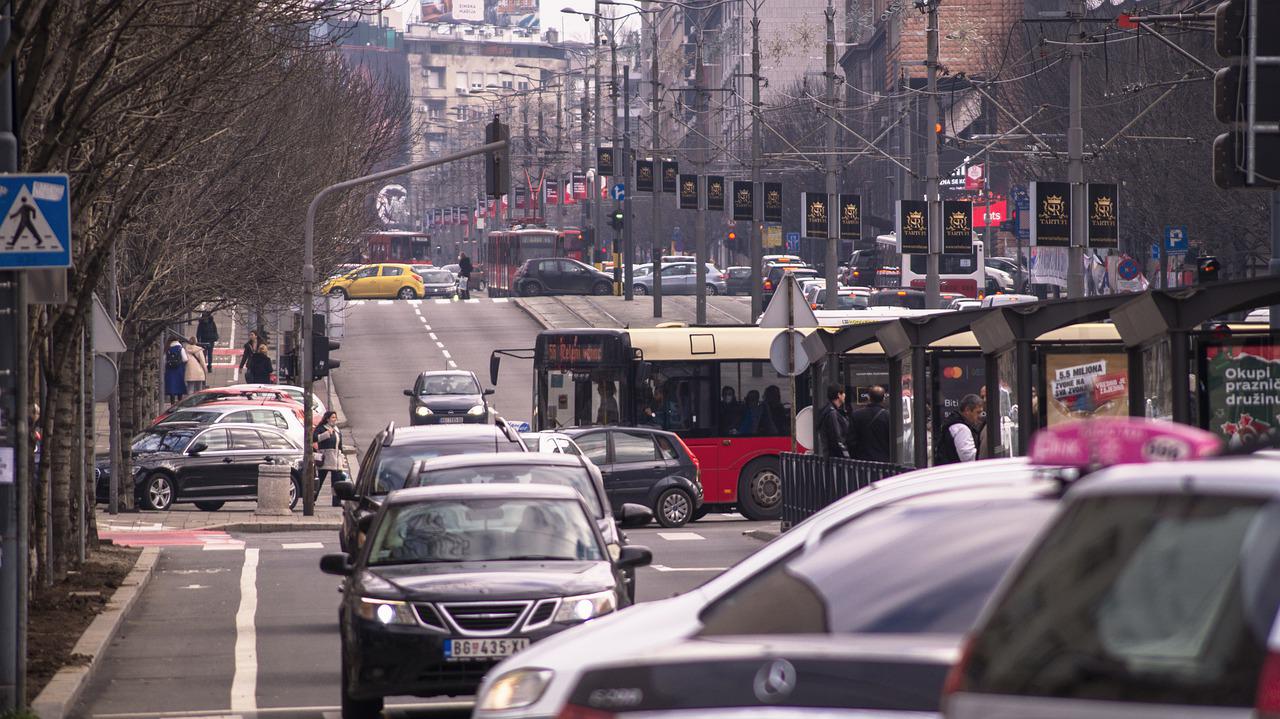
x=207, y=336
x=870, y=437
x=958, y=438
x=832, y=425
x=464, y=274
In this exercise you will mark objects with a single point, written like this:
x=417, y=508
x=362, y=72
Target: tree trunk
x=90, y=499
x=60, y=452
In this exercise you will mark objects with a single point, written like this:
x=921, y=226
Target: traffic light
x=1208, y=269
x=733, y=240
x=615, y=220
x=1252, y=143
x=497, y=176
x=321, y=346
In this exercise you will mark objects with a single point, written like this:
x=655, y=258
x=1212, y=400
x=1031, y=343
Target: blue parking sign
x=35, y=230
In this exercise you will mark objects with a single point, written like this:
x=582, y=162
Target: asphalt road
x=246, y=625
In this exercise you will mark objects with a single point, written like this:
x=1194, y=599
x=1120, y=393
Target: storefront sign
x=744, y=200
x=913, y=227
x=715, y=193
x=1051, y=223
x=1243, y=381
x=773, y=202
x=1104, y=216
x=1084, y=386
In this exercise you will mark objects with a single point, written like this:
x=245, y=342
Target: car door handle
x=227, y=460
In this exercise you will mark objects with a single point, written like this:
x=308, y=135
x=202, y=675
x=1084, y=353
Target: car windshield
x=843, y=301
x=739, y=271
x=577, y=477
x=449, y=384
x=395, y=462
x=162, y=440
x=484, y=530
x=438, y=277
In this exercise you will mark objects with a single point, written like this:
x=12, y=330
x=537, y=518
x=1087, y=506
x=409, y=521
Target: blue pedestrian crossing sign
x=35, y=229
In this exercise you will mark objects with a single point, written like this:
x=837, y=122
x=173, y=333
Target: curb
x=542, y=322
x=64, y=689
x=764, y=535
x=282, y=526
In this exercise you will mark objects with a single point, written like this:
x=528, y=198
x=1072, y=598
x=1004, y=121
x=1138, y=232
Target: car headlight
x=516, y=689
x=422, y=411
x=586, y=606
x=386, y=611
x=476, y=411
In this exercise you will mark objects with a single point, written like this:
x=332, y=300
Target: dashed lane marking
x=681, y=536
x=453, y=365
x=415, y=303
x=433, y=337
x=499, y=299
x=244, y=683
x=385, y=302
x=442, y=302
x=440, y=345
x=302, y=545
x=446, y=354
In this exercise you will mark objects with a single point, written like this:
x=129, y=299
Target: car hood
x=450, y=401
x=483, y=581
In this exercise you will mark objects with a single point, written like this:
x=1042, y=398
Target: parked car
x=292, y=392
x=999, y=279
x=561, y=276
x=207, y=465
x=550, y=443
x=737, y=280
x=456, y=578
x=645, y=466
x=1154, y=593
x=215, y=394
x=540, y=682
x=386, y=280
x=438, y=283
x=391, y=455
x=680, y=279
x=271, y=414
x=448, y=397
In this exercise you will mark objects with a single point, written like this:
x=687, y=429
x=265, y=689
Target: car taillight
x=573, y=711
x=417, y=277
x=955, y=681
x=1268, y=701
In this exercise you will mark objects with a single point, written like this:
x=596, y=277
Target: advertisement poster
x=773, y=202
x=957, y=377
x=957, y=227
x=1104, y=215
x=1243, y=381
x=502, y=13
x=1084, y=386
x=851, y=217
x=1050, y=202
x=744, y=200
x=913, y=227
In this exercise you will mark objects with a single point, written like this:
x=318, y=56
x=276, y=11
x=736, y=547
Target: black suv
x=391, y=456
x=645, y=466
x=560, y=276
x=448, y=397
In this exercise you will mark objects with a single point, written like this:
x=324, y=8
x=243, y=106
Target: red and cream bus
x=506, y=250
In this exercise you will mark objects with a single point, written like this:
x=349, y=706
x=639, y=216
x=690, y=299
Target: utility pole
x=757, y=242
x=555, y=164
x=700, y=224
x=1075, y=156
x=655, y=218
x=597, y=204
x=833, y=218
x=932, y=284
x=628, y=237
x=587, y=176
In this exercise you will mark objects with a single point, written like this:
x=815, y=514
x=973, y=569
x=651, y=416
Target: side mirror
x=197, y=448
x=408, y=393
x=631, y=555
x=494, y=361
x=631, y=516
x=340, y=564
x=487, y=392
x=345, y=490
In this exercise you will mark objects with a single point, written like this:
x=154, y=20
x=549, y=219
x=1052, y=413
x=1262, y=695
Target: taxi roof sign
x=1107, y=441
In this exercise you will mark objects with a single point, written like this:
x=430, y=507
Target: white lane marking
x=355, y=302
x=244, y=685
x=663, y=568
x=433, y=337
x=442, y=302
x=417, y=310
x=427, y=327
x=384, y=302
x=499, y=299
x=302, y=545
x=325, y=711
x=680, y=536
x=472, y=301
x=446, y=354
x=415, y=303
x=195, y=586
x=453, y=365
x=422, y=319
x=223, y=545
x=440, y=345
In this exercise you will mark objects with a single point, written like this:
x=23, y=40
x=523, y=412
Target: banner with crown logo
x=772, y=201
x=744, y=200
x=604, y=161
x=688, y=192
x=816, y=220
x=913, y=227
x=1051, y=208
x=850, y=217
x=1104, y=216
x=957, y=227
x=715, y=193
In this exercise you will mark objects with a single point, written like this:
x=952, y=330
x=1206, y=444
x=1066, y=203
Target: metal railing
x=811, y=482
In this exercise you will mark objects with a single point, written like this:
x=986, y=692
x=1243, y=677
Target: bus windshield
x=581, y=398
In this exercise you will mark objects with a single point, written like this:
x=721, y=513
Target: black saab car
x=456, y=578
x=448, y=397
x=650, y=467
x=207, y=465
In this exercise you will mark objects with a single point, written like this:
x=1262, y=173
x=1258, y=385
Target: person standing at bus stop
x=832, y=425
x=464, y=275
x=958, y=439
x=869, y=431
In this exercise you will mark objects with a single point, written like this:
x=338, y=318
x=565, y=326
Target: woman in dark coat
x=260, y=367
x=250, y=347
x=175, y=371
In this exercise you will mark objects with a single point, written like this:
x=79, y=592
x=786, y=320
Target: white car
x=1002, y=300
x=1003, y=279
x=537, y=682
x=294, y=393
x=248, y=412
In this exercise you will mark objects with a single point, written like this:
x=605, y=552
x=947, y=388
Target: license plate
x=483, y=648
x=451, y=420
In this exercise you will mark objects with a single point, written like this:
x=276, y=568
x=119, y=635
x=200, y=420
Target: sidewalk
x=557, y=312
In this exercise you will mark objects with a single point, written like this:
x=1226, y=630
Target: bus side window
x=753, y=400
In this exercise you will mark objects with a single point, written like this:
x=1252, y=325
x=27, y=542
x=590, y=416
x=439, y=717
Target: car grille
x=468, y=671
x=543, y=613
x=428, y=615
x=496, y=617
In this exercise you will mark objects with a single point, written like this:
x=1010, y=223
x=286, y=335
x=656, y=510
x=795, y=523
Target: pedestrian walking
x=464, y=274
x=832, y=425
x=250, y=348
x=328, y=443
x=175, y=372
x=957, y=440
x=207, y=334
x=195, y=366
x=870, y=436
x=260, y=367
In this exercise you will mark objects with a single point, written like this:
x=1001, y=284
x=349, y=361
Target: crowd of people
x=866, y=433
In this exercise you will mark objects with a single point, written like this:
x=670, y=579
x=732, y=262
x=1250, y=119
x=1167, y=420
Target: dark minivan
x=560, y=276
x=645, y=466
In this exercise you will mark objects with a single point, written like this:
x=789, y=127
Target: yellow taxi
x=381, y=281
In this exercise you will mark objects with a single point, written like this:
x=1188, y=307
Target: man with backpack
x=869, y=431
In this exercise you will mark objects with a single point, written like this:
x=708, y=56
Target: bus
x=883, y=266
x=400, y=246
x=506, y=250
x=713, y=386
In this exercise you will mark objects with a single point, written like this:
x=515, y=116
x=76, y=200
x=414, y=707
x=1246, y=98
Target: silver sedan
x=680, y=278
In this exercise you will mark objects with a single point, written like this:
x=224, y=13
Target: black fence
x=811, y=482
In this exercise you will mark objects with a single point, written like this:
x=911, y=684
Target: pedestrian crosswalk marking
x=499, y=299
x=302, y=545
x=443, y=302
x=680, y=536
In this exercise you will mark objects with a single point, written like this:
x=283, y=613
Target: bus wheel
x=760, y=490
x=531, y=289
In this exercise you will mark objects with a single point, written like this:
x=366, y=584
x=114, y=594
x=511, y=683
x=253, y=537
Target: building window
x=507, y=84
x=461, y=79
x=524, y=85
x=435, y=109
x=434, y=76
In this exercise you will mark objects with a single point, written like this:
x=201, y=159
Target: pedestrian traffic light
x=1248, y=155
x=497, y=177
x=1208, y=270
x=321, y=346
x=615, y=220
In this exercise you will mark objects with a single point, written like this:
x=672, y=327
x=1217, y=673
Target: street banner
x=815, y=222
x=913, y=227
x=715, y=193
x=644, y=175
x=670, y=176
x=688, y=192
x=975, y=177
x=1085, y=386
x=579, y=180
x=1049, y=265
x=1243, y=382
x=1104, y=215
x=604, y=161
x=1051, y=221
x=772, y=201
x=772, y=238
x=957, y=227
x=851, y=217
x=744, y=200
x=553, y=192
x=520, y=197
